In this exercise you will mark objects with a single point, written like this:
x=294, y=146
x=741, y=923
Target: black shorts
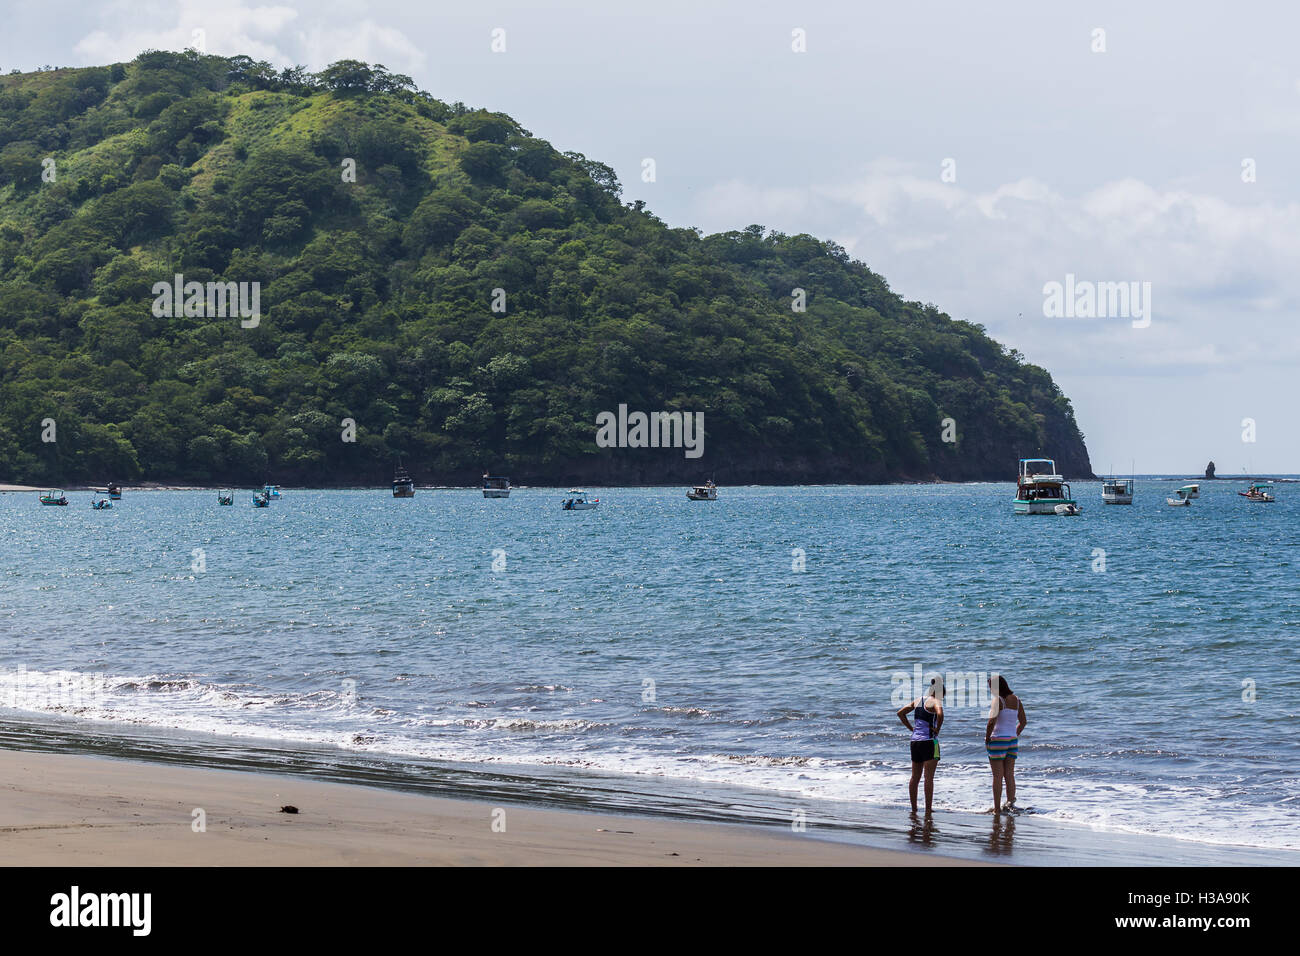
x=923, y=750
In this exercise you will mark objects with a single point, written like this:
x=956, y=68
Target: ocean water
x=763, y=641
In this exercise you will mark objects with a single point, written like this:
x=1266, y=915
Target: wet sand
x=75, y=810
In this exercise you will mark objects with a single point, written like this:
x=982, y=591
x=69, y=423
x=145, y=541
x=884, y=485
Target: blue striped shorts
x=1000, y=748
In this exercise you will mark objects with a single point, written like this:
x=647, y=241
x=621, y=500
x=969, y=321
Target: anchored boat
x=54, y=497
x=403, y=484
x=577, y=501
x=225, y=497
x=705, y=492
x=1039, y=489
x=495, y=486
x=271, y=491
x=1183, y=498
x=101, y=503
x=1260, y=492
x=1117, y=491
x=261, y=500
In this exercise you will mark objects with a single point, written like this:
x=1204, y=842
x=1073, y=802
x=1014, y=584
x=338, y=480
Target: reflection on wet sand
x=921, y=831
x=1003, y=834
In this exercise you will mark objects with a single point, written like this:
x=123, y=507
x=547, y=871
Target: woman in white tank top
x=1002, y=739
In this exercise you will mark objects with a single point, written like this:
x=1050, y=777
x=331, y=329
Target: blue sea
x=740, y=659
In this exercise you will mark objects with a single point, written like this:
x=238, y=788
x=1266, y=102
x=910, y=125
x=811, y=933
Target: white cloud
x=262, y=31
x=986, y=255
x=363, y=40
x=228, y=28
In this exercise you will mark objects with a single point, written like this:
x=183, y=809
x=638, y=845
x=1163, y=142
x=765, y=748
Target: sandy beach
x=74, y=810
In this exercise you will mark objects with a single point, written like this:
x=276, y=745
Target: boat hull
x=1040, y=506
x=496, y=492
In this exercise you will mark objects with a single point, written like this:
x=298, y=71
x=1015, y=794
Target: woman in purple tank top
x=927, y=713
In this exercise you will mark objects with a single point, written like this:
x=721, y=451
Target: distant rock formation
x=1209, y=470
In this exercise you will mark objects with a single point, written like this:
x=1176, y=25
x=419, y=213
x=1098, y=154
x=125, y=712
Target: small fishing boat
x=101, y=504
x=577, y=501
x=225, y=497
x=495, y=486
x=1117, y=491
x=1189, y=492
x=1182, y=500
x=54, y=497
x=1039, y=489
x=403, y=484
x=261, y=500
x=114, y=491
x=1260, y=492
x=705, y=492
x=271, y=491
x=1069, y=509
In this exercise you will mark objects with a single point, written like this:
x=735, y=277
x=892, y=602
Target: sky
x=973, y=155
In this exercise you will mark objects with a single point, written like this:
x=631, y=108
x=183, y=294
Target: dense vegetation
x=376, y=299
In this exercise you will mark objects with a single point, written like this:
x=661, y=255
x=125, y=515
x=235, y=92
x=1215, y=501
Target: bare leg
x=930, y=766
x=996, y=766
x=916, y=779
x=1010, y=773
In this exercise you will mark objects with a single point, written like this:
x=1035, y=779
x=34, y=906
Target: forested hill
x=387, y=230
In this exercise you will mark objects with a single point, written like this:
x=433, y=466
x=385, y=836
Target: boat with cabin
x=1190, y=491
x=54, y=497
x=1182, y=498
x=1039, y=489
x=1117, y=491
x=271, y=491
x=495, y=486
x=403, y=483
x=577, y=501
x=705, y=492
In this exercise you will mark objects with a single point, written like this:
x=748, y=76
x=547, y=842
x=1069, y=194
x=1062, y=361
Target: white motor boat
x=705, y=492
x=1040, y=490
x=496, y=486
x=577, y=501
x=1117, y=491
